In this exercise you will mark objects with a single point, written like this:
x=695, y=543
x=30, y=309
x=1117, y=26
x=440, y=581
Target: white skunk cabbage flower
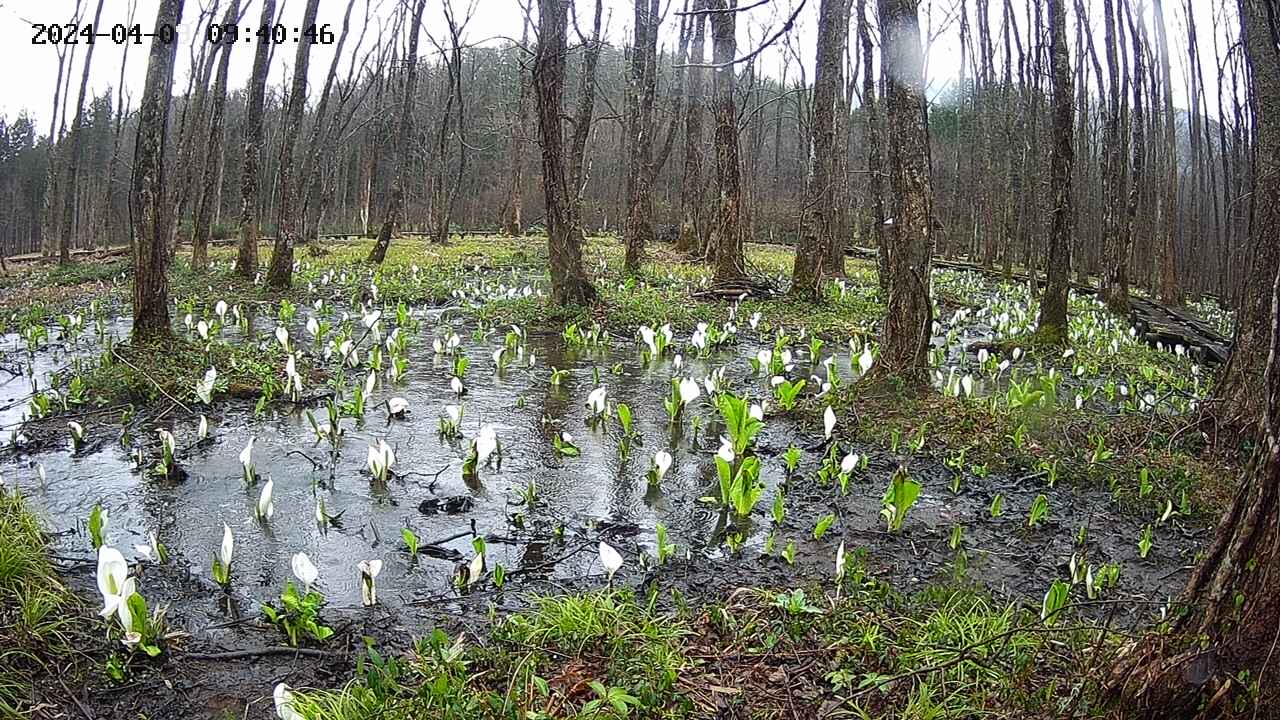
x=115, y=585
x=866, y=359
x=597, y=400
x=228, y=546
x=726, y=451
x=661, y=463
x=756, y=411
x=284, y=703
x=304, y=570
x=689, y=391
x=849, y=462
x=380, y=460
x=828, y=422
x=486, y=444
x=369, y=570
x=455, y=384
x=397, y=406
x=282, y=335
x=610, y=559
x=265, y=507
x=204, y=388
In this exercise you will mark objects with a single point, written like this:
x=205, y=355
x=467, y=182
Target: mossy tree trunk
x=904, y=339
x=1053, y=306
x=819, y=218
x=148, y=196
x=569, y=284
x=247, y=257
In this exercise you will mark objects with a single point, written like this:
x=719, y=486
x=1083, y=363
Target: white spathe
x=610, y=559
x=304, y=570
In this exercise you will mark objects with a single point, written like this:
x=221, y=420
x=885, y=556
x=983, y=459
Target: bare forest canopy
x=471, y=159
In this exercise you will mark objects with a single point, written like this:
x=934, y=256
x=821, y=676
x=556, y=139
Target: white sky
x=32, y=69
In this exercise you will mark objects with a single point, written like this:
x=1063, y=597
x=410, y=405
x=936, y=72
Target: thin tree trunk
x=404, y=131
x=289, y=224
x=1170, y=292
x=875, y=163
x=1053, y=306
x=519, y=132
x=638, y=230
x=74, y=154
x=149, y=206
x=247, y=257
x=202, y=230
x=693, y=233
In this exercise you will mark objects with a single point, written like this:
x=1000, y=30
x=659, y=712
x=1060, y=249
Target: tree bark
x=519, y=133
x=875, y=162
x=1053, y=306
x=280, y=272
x=638, y=230
x=904, y=339
x=1232, y=612
x=404, y=131
x=726, y=235
x=693, y=235
x=1115, y=274
x=569, y=284
x=202, y=231
x=74, y=154
x=1170, y=292
x=819, y=213
x=247, y=257
x=1238, y=393
x=148, y=198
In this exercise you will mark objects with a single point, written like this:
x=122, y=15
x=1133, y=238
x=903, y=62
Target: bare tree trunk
x=446, y=194
x=1053, y=306
x=280, y=272
x=148, y=200
x=202, y=231
x=569, y=284
x=1229, y=631
x=1238, y=391
x=105, y=220
x=1115, y=274
x=519, y=133
x=247, y=258
x=693, y=227
x=904, y=339
x=726, y=236
x=49, y=231
x=638, y=230
x=818, y=214
x=875, y=163
x=1170, y=292
x=74, y=153
x=404, y=131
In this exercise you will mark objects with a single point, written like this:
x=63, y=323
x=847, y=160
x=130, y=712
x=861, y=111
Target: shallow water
x=579, y=500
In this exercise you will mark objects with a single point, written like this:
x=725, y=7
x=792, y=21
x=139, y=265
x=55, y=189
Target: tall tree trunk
x=1053, y=306
x=818, y=214
x=693, y=226
x=1115, y=273
x=519, y=133
x=1170, y=292
x=638, y=230
x=202, y=229
x=247, y=257
x=148, y=200
x=320, y=144
x=74, y=153
x=289, y=223
x=569, y=284
x=1238, y=392
x=726, y=235
x=1232, y=621
x=404, y=131
x=105, y=219
x=904, y=339
x=875, y=162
